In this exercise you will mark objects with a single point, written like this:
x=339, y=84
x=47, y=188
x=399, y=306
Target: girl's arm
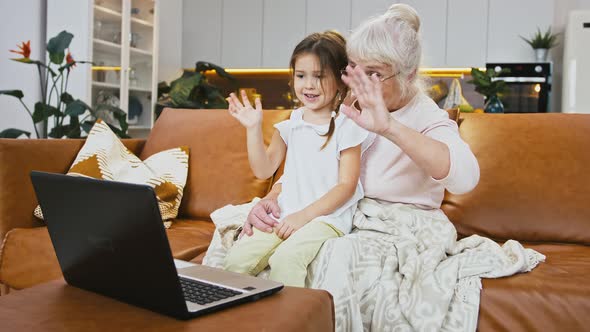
x=264, y=162
x=348, y=177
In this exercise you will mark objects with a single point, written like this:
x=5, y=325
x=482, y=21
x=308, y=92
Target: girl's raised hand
x=373, y=115
x=245, y=113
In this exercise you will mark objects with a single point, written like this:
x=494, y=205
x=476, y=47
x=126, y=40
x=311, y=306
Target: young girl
x=320, y=185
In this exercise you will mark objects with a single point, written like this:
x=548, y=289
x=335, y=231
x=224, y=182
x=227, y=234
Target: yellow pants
x=288, y=259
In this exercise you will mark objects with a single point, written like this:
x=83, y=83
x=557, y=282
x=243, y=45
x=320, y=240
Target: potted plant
x=57, y=104
x=541, y=43
x=491, y=88
x=193, y=90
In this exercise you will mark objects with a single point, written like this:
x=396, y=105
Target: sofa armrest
x=18, y=157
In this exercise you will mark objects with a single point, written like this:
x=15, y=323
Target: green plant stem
x=84, y=118
x=46, y=101
x=59, y=103
x=41, y=81
x=31, y=114
x=64, y=88
x=54, y=88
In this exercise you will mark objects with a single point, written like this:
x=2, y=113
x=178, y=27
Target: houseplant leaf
x=75, y=108
x=203, y=66
x=181, y=89
x=13, y=133
x=15, y=93
x=66, y=98
x=73, y=129
x=43, y=112
x=215, y=99
x=57, y=46
x=87, y=125
x=58, y=131
x=119, y=114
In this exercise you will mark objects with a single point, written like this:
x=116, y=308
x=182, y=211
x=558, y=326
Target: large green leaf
x=13, y=133
x=118, y=113
x=15, y=93
x=66, y=98
x=58, y=131
x=118, y=131
x=215, y=99
x=203, y=66
x=87, y=125
x=57, y=46
x=75, y=108
x=74, y=128
x=181, y=89
x=43, y=112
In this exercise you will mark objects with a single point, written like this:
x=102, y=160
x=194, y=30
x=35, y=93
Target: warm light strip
x=444, y=75
x=433, y=72
x=105, y=68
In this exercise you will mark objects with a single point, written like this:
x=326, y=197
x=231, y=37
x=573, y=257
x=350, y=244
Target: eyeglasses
x=371, y=73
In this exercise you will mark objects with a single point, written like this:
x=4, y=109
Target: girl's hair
x=392, y=39
x=330, y=48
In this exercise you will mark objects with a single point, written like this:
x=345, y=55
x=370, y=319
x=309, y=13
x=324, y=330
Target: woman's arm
x=348, y=177
x=429, y=154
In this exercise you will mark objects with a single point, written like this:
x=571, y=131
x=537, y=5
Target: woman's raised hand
x=244, y=112
x=373, y=115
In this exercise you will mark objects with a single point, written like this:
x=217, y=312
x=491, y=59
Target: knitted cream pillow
x=104, y=156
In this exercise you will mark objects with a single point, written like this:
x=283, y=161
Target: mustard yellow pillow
x=104, y=156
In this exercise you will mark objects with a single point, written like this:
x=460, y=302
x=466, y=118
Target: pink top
x=388, y=174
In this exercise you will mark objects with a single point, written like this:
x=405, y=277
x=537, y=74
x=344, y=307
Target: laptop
x=109, y=239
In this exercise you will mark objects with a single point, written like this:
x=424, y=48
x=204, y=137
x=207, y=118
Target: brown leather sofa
x=534, y=187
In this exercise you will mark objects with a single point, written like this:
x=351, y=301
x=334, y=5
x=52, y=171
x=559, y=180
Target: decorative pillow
x=104, y=156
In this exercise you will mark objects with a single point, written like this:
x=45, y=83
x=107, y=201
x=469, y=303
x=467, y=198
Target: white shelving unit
x=124, y=51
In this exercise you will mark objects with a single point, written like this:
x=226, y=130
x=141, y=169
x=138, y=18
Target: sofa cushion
x=219, y=171
x=18, y=158
x=104, y=157
x=27, y=257
x=534, y=183
x=555, y=296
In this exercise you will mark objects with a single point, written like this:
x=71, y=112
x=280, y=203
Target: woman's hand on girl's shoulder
x=291, y=224
x=248, y=116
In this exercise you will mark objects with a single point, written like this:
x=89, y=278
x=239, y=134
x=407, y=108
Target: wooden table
x=56, y=306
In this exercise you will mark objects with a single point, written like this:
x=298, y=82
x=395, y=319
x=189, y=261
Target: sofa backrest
x=219, y=172
x=535, y=178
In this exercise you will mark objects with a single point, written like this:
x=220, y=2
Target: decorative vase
x=494, y=105
x=541, y=54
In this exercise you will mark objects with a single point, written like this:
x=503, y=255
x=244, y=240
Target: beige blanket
x=400, y=269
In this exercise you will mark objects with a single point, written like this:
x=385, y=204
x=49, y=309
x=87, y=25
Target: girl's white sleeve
x=284, y=128
x=350, y=135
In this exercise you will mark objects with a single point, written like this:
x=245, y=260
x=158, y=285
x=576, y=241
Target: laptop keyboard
x=203, y=293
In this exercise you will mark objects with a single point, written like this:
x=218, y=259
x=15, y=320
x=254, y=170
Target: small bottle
x=132, y=77
x=100, y=74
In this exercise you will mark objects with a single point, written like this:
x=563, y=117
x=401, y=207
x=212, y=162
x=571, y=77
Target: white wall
x=20, y=21
x=79, y=14
x=560, y=17
x=170, y=24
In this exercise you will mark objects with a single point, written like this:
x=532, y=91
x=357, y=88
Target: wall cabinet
x=467, y=28
x=120, y=37
x=262, y=33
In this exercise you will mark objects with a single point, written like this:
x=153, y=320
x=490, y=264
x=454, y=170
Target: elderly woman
x=402, y=267
x=417, y=152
